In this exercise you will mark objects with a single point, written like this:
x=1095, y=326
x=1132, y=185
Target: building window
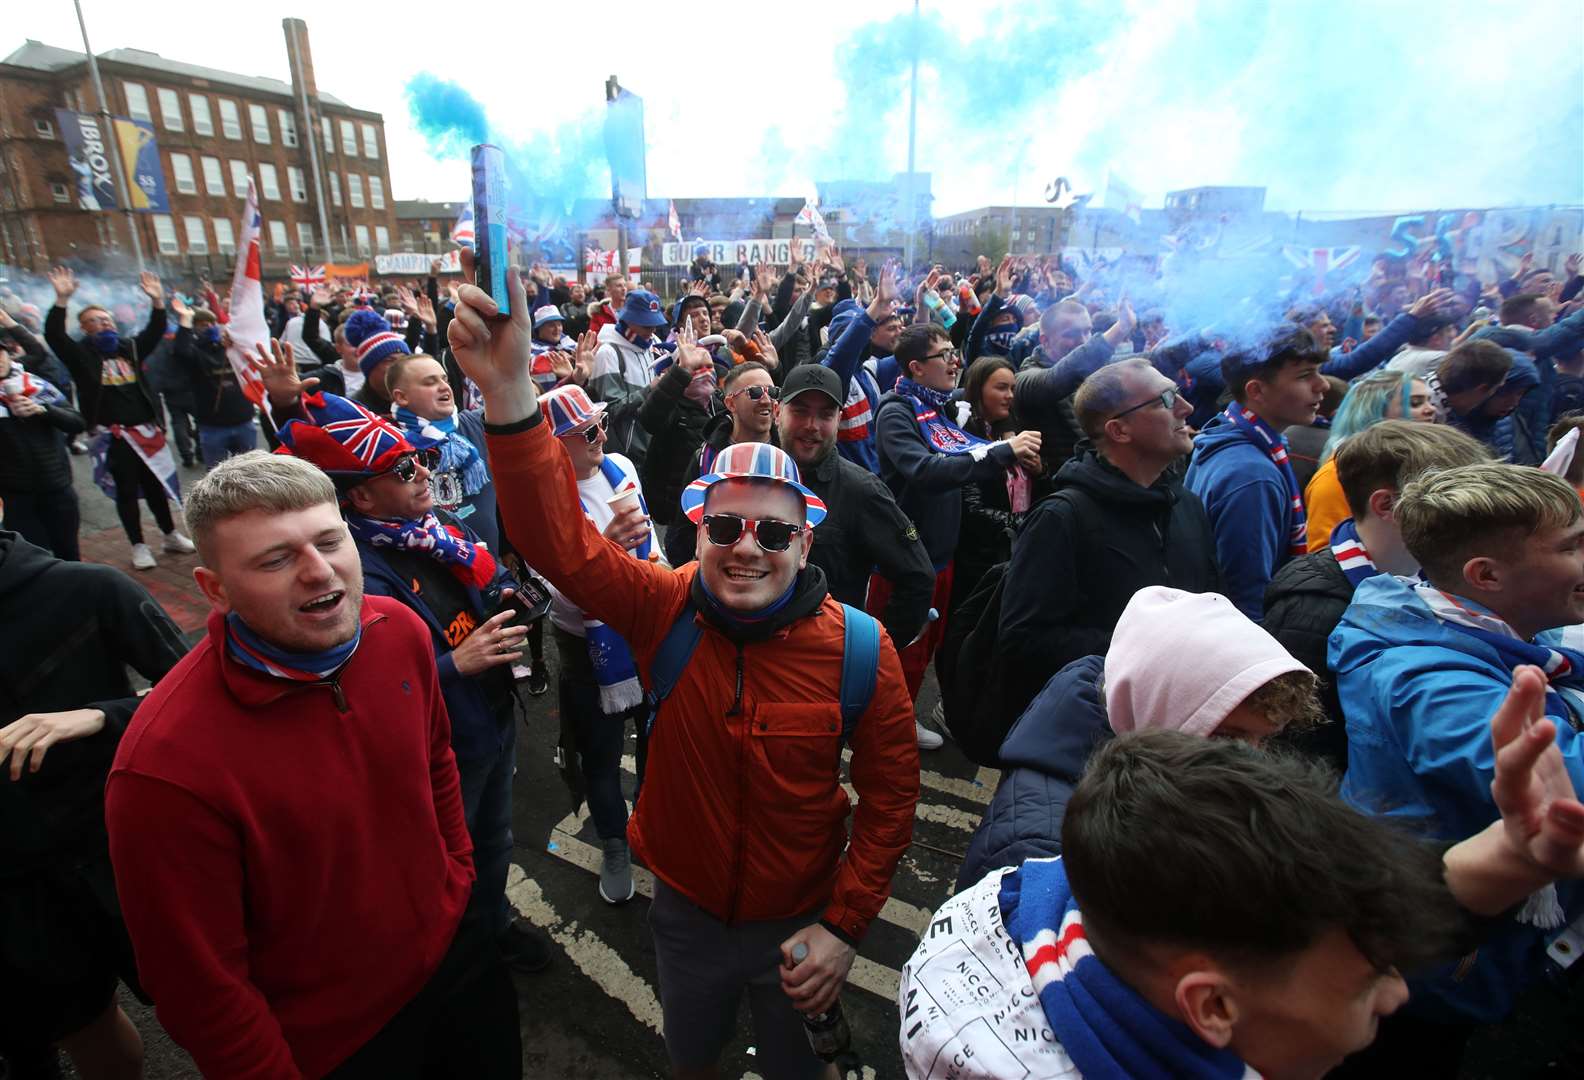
x=203, y=124
x=288, y=126
x=329, y=136
x=376, y=193
x=239, y=178
x=294, y=180
x=269, y=183
x=225, y=239
x=214, y=179
x=197, y=240
x=60, y=193
x=230, y=124
x=138, y=108
x=362, y=240
x=181, y=169
x=348, y=139
x=305, y=237
x=370, y=142
x=277, y=231
x=165, y=235
x=335, y=188
x=382, y=239
x=355, y=190
x=258, y=117
x=170, y=109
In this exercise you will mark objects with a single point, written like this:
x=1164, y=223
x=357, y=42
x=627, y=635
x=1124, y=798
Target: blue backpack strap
x=860, y=665
x=672, y=657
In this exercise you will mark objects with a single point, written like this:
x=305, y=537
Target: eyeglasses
x=945, y=354
x=724, y=530
x=592, y=433
x=1166, y=399
x=405, y=467
x=755, y=393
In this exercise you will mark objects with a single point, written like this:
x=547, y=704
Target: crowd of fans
x=1274, y=627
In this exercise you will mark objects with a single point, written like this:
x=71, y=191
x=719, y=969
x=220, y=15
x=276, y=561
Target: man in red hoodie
x=285, y=818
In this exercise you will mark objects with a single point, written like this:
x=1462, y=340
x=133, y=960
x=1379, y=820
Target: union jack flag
x=307, y=275
x=366, y=435
x=462, y=231
x=1322, y=261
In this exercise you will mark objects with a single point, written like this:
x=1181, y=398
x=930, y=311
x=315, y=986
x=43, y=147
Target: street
x=595, y=1012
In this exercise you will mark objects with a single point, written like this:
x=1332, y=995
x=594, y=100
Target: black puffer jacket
x=1082, y=555
x=676, y=430
x=33, y=450
x=1303, y=604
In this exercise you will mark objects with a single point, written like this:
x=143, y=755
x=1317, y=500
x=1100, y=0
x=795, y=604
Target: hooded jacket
x=675, y=424
x=850, y=330
x=1303, y=604
x=1419, y=697
x=1535, y=413
x=681, y=536
x=1080, y=558
x=742, y=809
x=621, y=376
x=33, y=449
x=218, y=401
x=1509, y=436
x=1250, y=511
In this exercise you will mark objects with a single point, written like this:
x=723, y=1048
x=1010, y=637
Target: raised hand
x=179, y=308
x=887, y=292
x=278, y=368
x=1573, y=263
x=319, y=297
x=149, y=282
x=1433, y=303
x=1005, y=273
x=767, y=351
x=699, y=288
x=1122, y=329
x=407, y=300
x=64, y=283
x=1541, y=814
x=426, y=312
x=690, y=355
x=560, y=363
x=583, y=358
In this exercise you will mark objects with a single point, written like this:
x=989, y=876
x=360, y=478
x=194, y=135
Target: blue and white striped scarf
x=1269, y=440
x=457, y=452
x=614, y=668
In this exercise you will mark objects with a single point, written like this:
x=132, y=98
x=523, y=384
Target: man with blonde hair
x=298, y=761
x=1423, y=665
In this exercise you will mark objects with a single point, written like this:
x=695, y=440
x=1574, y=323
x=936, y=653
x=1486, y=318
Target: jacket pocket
x=799, y=746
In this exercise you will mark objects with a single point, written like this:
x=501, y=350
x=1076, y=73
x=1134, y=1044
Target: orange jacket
x=742, y=810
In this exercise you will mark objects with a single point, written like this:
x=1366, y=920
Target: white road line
x=980, y=789
x=602, y=964
x=940, y=815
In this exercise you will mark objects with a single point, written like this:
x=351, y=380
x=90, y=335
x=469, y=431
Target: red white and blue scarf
x=1351, y=554
x=1274, y=445
x=247, y=648
x=21, y=384
x=612, y=659
x=931, y=408
x=473, y=565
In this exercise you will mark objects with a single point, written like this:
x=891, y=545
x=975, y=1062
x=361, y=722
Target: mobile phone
x=489, y=223
x=529, y=603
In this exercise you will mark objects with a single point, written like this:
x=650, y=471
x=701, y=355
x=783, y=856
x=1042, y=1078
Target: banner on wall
x=737, y=252
x=417, y=263
x=88, y=150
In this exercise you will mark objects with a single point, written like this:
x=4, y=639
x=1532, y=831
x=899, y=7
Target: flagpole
x=311, y=133
x=912, y=203
x=108, y=131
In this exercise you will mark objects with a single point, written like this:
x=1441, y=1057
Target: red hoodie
x=291, y=871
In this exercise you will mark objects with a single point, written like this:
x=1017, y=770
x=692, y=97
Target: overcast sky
x=1343, y=105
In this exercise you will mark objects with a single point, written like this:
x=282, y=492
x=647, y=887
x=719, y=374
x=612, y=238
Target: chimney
x=301, y=58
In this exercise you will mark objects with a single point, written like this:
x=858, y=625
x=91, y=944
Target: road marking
x=980, y=789
x=602, y=964
x=940, y=815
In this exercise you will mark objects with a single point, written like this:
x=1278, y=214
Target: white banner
x=735, y=253
x=412, y=262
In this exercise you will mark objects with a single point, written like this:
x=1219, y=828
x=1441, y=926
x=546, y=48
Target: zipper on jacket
x=737, y=701
x=742, y=801
x=1160, y=539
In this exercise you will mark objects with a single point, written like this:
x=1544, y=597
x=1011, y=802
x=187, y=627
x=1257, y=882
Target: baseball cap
x=812, y=377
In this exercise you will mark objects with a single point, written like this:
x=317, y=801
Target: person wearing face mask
x=1177, y=661
x=131, y=457
x=623, y=368
x=224, y=413
x=676, y=415
x=742, y=816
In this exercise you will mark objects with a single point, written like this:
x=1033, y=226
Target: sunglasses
x=755, y=393
x=592, y=433
x=724, y=530
x=405, y=468
x=1166, y=399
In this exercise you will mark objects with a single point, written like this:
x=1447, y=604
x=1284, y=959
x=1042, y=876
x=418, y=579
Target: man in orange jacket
x=742, y=815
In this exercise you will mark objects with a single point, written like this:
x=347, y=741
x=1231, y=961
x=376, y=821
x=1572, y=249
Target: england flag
x=247, y=325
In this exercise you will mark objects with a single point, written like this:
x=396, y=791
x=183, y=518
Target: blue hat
x=842, y=316
x=759, y=461
x=549, y=313
x=1524, y=372
x=642, y=308
x=373, y=338
x=569, y=409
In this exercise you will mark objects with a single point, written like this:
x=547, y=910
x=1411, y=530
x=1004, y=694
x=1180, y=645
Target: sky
x=1342, y=106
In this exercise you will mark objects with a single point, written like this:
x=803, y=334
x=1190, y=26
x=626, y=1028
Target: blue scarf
x=614, y=669
x=1268, y=440
x=105, y=342
x=931, y=410
x=247, y=648
x=473, y=565
x=745, y=620
x=457, y=452
x=1107, y=1029
x=1563, y=667
x=1351, y=554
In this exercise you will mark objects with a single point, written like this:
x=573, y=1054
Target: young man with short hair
x=742, y=816
x=1421, y=666
x=1279, y=960
x=299, y=762
x=623, y=367
x=424, y=406
x=1306, y=599
x=1240, y=469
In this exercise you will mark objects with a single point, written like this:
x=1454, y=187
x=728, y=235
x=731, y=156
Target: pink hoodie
x=1183, y=661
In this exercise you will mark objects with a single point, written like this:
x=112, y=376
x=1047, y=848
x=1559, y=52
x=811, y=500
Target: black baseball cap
x=806, y=377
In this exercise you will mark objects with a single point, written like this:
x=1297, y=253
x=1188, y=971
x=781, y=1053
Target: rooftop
x=41, y=57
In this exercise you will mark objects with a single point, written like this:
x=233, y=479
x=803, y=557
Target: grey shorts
x=705, y=965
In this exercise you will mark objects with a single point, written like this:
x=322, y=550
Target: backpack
x=860, y=663
x=978, y=713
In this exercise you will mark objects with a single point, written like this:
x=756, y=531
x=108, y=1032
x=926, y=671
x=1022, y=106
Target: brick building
x=320, y=165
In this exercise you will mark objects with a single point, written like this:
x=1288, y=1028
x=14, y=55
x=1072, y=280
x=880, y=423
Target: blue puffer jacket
x=1418, y=697
x=1041, y=759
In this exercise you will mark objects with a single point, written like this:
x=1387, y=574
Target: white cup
x=622, y=501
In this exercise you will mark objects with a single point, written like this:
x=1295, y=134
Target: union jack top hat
x=344, y=439
x=569, y=409
x=751, y=461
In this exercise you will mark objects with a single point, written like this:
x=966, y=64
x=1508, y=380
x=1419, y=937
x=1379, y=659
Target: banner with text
x=412, y=262
x=736, y=253
x=88, y=151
